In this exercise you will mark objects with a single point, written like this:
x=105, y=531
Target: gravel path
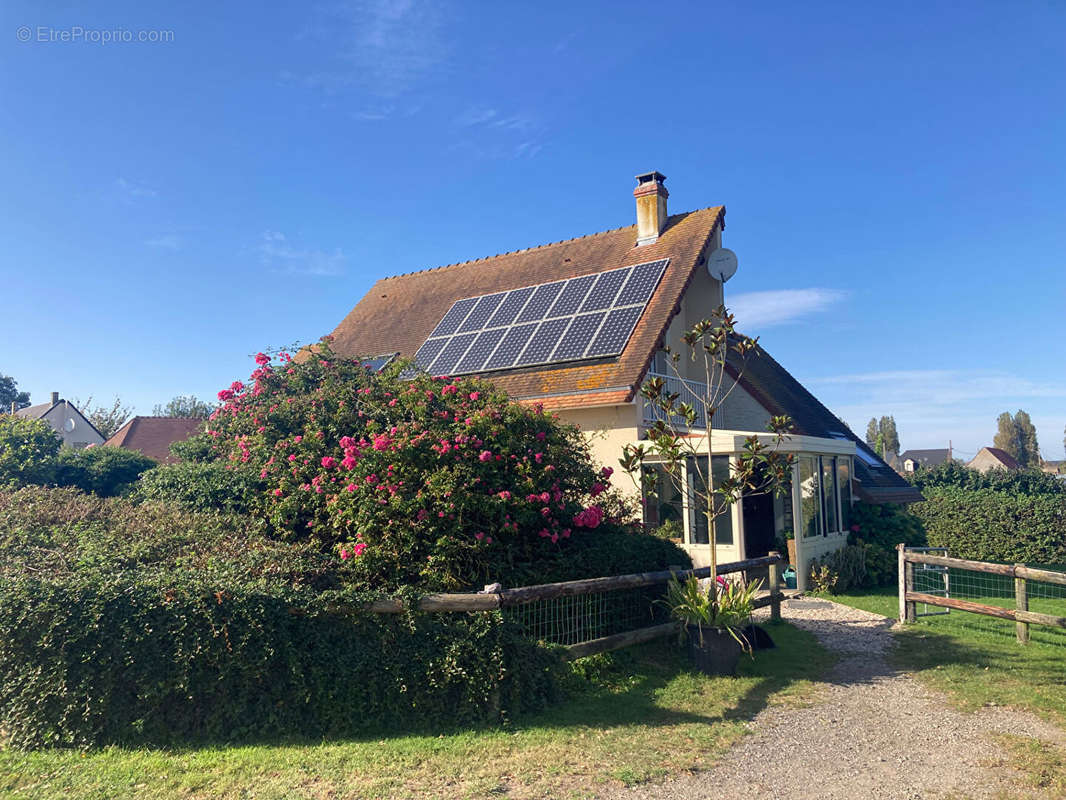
x=871, y=732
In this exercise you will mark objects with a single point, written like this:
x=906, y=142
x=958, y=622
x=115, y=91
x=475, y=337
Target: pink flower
x=262, y=358
x=475, y=395
x=485, y=456
x=597, y=489
x=607, y=472
x=297, y=439
x=591, y=517
x=504, y=495
x=349, y=462
x=479, y=536
x=236, y=386
x=225, y=394
x=329, y=462
x=344, y=554
x=358, y=549
x=382, y=442
x=277, y=493
x=347, y=441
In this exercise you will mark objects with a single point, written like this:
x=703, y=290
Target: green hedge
x=147, y=623
x=990, y=525
x=170, y=659
x=878, y=529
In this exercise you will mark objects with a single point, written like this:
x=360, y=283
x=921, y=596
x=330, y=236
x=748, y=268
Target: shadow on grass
x=648, y=685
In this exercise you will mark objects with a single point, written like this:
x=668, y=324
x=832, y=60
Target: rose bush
x=432, y=482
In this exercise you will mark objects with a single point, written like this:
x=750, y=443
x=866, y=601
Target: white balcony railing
x=692, y=392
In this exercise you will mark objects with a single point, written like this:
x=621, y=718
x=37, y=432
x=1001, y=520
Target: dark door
x=758, y=512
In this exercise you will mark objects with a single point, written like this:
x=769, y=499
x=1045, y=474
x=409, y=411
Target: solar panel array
x=591, y=316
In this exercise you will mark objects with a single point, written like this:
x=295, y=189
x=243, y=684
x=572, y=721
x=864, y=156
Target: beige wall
x=65, y=416
x=608, y=429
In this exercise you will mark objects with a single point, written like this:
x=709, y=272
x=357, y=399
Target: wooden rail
x=1020, y=614
x=507, y=598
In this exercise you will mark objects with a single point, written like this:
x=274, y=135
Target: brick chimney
x=55, y=398
x=651, y=206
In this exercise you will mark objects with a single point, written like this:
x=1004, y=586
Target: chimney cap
x=648, y=177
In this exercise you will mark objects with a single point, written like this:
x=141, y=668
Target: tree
x=1016, y=435
x=1027, y=435
x=882, y=437
x=760, y=467
x=9, y=394
x=106, y=419
x=873, y=432
x=185, y=405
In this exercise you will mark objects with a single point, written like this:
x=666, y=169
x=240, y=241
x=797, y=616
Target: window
x=810, y=496
x=829, y=494
x=666, y=504
x=844, y=488
x=723, y=523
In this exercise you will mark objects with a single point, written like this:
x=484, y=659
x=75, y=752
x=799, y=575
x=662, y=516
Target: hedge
x=990, y=525
x=171, y=659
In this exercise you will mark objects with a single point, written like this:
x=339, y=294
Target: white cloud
x=755, y=310
x=277, y=253
x=168, y=241
x=932, y=407
x=385, y=46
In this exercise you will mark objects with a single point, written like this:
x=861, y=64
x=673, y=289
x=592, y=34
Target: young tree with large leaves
x=760, y=467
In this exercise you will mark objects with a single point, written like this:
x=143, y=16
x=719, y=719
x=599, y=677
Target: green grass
x=976, y=659
x=631, y=718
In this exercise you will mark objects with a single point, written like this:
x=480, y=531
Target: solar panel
x=452, y=352
x=616, y=330
x=572, y=296
x=543, y=342
x=480, y=351
x=454, y=318
x=541, y=301
x=578, y=336
x=590, y=316
x=484, y=309
x=513, y=342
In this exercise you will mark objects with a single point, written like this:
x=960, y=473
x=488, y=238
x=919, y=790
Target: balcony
x=691, y=392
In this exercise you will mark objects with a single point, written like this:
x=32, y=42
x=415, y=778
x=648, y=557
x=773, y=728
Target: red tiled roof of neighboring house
x=152, y=436
x=398, y=313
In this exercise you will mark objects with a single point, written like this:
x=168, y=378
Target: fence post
x=906, y=584
x=1021, y=603
x=775, y=586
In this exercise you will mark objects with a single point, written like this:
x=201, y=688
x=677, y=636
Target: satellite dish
x=722, y=264
x=68, y=426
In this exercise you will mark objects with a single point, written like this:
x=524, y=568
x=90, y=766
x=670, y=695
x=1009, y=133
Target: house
x=578, y=325
x=993, y=458
x=68, y=422
x=152, y=436
x=912, y=460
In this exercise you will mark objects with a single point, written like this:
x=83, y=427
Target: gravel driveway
x=871, y=732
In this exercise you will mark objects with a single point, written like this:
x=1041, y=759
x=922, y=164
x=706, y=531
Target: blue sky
x=893, y=174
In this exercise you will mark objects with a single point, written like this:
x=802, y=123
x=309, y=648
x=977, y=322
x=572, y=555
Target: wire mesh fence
x=574, y=619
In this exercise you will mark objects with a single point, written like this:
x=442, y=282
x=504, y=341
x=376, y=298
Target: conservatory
x=810, y=518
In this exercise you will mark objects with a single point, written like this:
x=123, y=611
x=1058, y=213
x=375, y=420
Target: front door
x=758, y=524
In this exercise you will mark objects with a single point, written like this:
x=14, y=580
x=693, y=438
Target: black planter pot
x=717, y=654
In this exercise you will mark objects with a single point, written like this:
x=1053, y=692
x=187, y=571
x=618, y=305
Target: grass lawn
x=975, y=659
x=633, y=717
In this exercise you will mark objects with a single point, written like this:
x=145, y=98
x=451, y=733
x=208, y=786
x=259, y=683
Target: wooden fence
x=1020, y=614
x=494, y=598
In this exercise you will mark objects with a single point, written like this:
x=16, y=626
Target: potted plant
x=790, y=544
x=712, y=620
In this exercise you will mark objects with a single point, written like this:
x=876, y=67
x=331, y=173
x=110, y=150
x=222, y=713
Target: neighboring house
x=577, y=326
x=153, y=436
x=924, y=459
x=1054, y=467
x=71, y=425
x=993, y=458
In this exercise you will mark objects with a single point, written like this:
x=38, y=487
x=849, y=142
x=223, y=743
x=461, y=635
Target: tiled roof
x=152, y=436
x=927, y=458
x=399, y=313
x=35, y=412
x=779, y=393
x=1002, y=456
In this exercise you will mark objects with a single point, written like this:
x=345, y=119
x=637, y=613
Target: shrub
x=28, y=449
x=429, y=482
x=153, y=624
x=953, y=474
x=991, y=525
x=202, y=487
x=106, y=471
x=840, y=570
x=878, y=529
